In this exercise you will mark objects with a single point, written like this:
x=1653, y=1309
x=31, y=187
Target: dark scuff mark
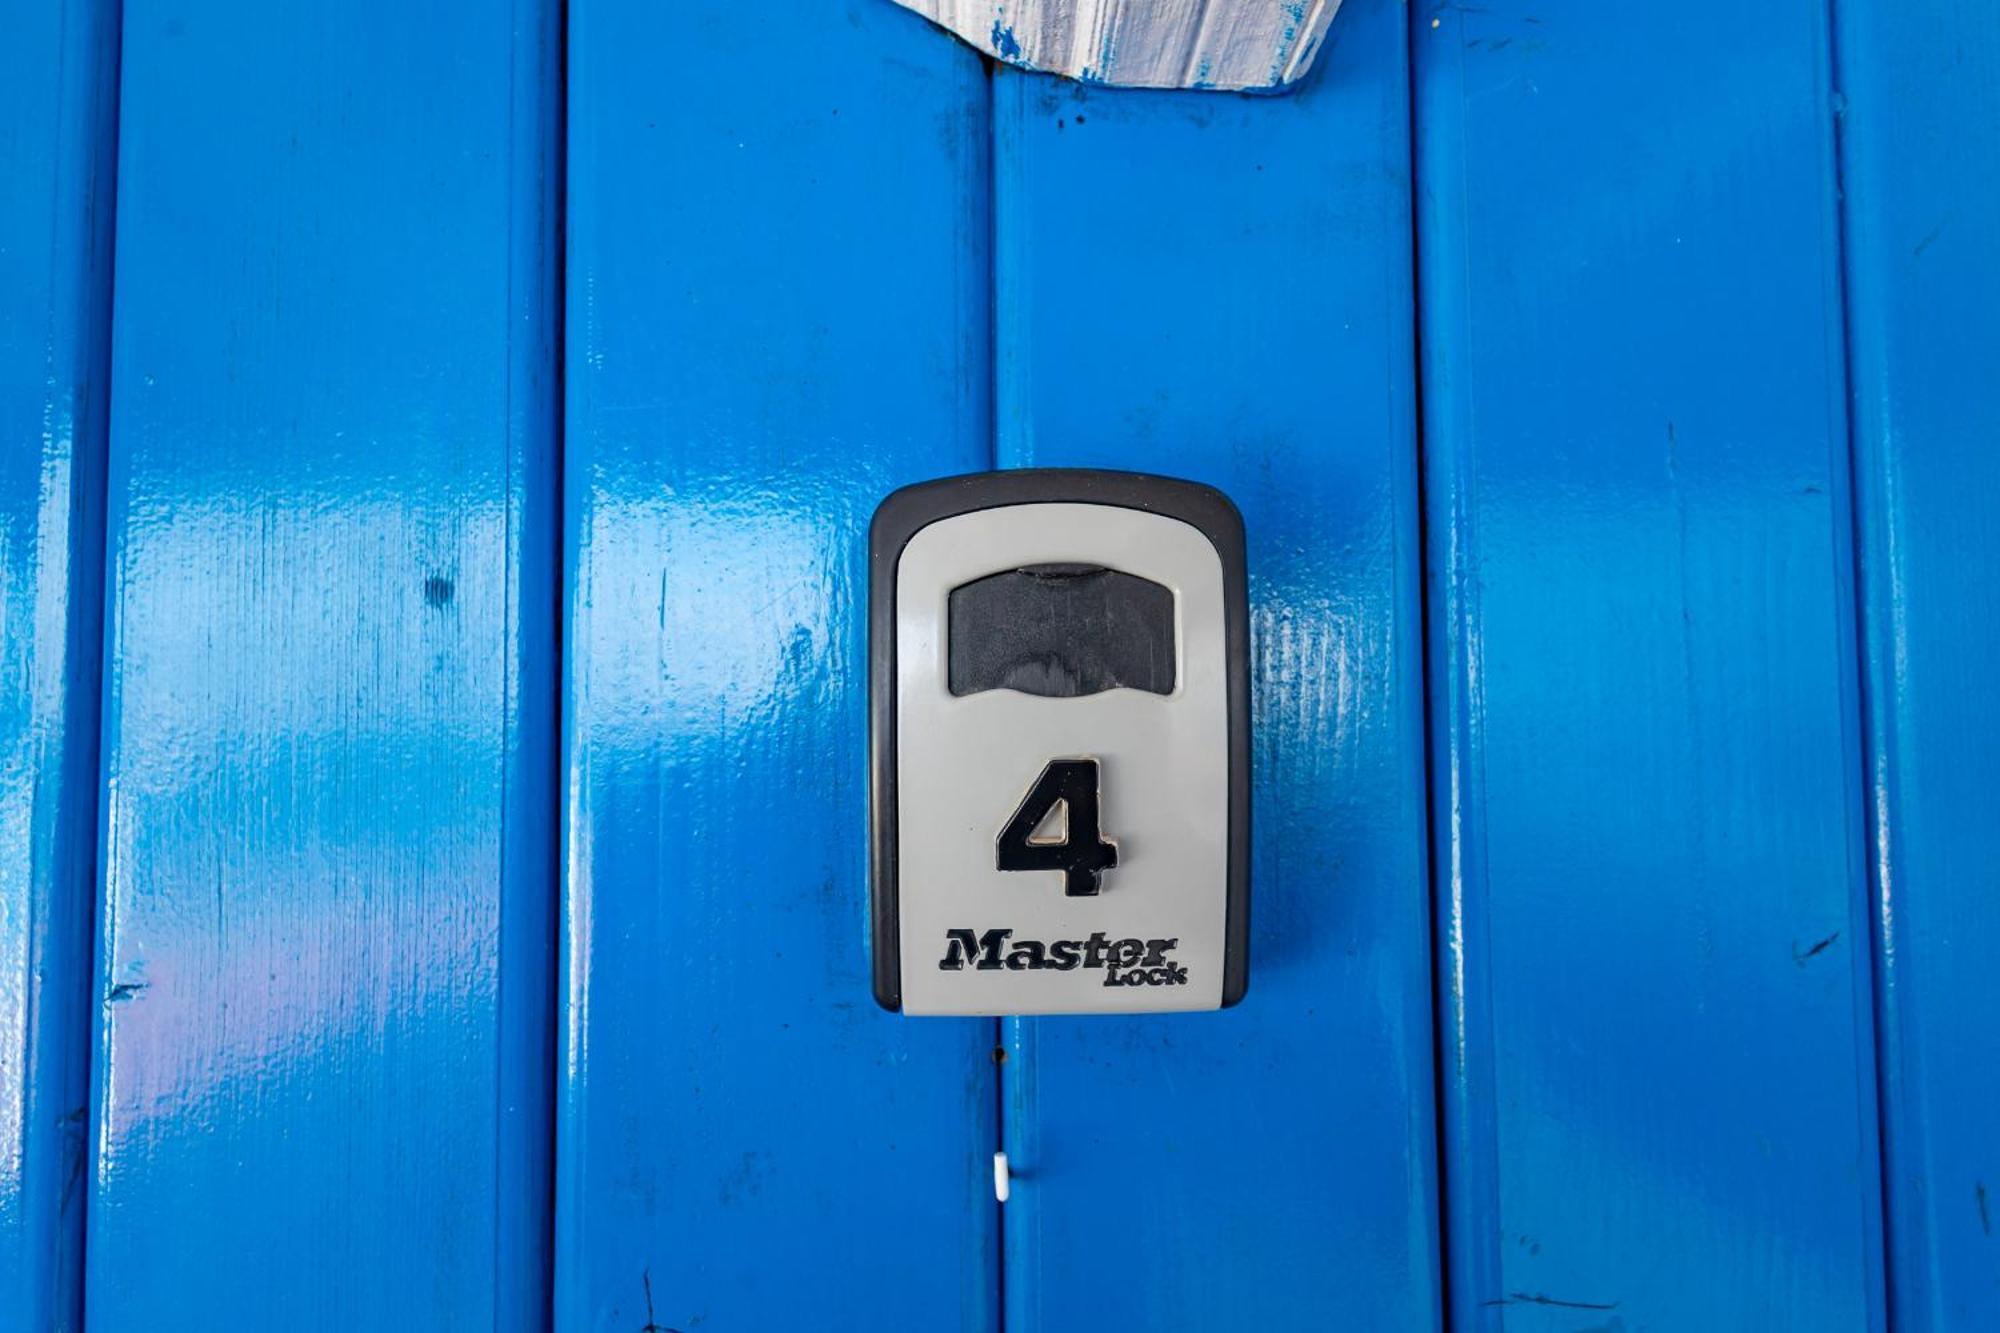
x=745, y=1179
x=1925, y=244
x=75, y=1125
x=124, y=990
x=1540, y=1298
x=1985, y=1214
x=1819, y=947
x=653, y=1325
x=437, y=590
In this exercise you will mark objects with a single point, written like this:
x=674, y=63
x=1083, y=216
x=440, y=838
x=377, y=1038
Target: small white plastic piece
x=1000, y=1177
x=1241, y=45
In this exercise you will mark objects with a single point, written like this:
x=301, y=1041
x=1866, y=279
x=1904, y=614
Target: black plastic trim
x=910, y=510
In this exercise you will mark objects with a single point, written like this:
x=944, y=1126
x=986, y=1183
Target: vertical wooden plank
x=778, y=313
x=327, y=960
x=1218, y=287
x=58, y=128
x=1659, y=1095
x=1920, y=141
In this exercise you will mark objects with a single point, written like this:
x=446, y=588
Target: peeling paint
x=1226, y=45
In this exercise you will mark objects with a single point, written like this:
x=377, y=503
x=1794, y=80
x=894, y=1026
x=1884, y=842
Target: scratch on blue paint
x=1004, y=43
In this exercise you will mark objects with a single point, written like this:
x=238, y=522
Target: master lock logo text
x=1126, y=962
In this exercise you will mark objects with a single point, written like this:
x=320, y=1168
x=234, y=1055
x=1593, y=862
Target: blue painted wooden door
x=436, y=445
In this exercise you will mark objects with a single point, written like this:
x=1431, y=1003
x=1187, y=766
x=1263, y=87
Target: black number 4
x=1082, y=855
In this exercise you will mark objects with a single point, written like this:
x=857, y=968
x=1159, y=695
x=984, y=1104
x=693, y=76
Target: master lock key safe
x=1060, y=735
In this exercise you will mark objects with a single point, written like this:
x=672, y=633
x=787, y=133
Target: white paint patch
x=1222, y=44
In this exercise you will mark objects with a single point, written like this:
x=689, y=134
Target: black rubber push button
x=1061, y=631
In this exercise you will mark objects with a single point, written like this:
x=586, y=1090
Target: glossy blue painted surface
x=322, y=1096
x=778, y=303
x=819, y=252
x=1920, y=156
x=1218, y=287
x=1659, y=1080
x=58, y=75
